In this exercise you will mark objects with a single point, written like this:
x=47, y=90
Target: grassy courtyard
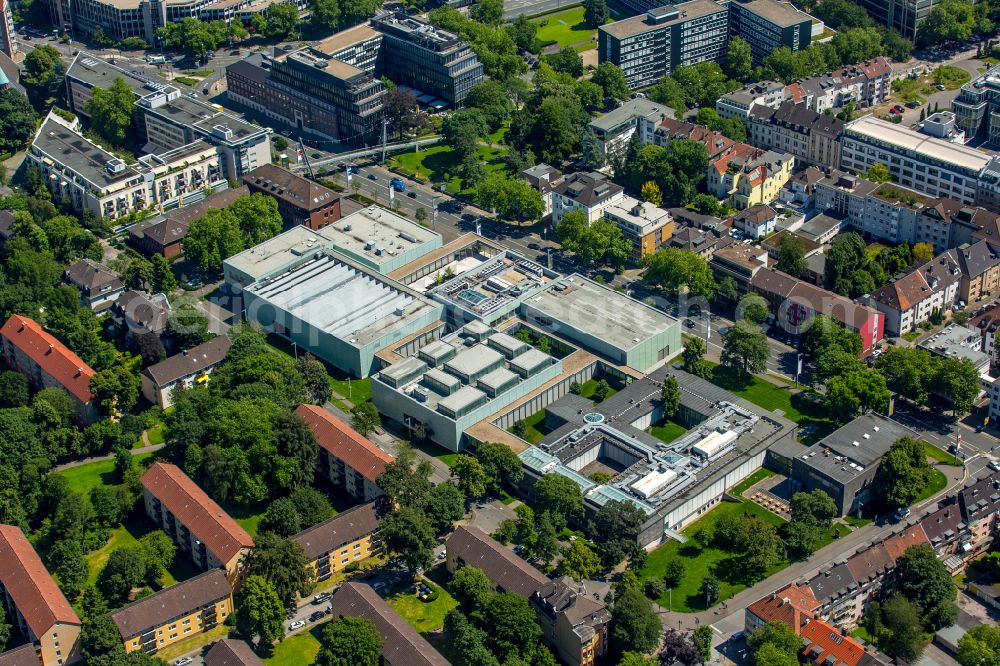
x=667, y=432
x=565, y=28
x=101, y=473
x=918, y=89
x=424, y=616
x=437, y=164
x=128, y=534
x=298, y=650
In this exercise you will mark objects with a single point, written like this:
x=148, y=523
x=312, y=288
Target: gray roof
x=171, y=603
x=500, y=564
x=587, y=189
x=846, y=452
x=342, y=529
x=473, y=360
x=90, y=276
x=687, y=11
x=778, y=13
x=190, y=361
x=832, y=582
x=981, y=499
x=639, y=106
x=230, y=652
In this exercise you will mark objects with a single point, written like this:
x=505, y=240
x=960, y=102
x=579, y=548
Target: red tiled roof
x=24, y=577
x=206, y=520
x=51, y=355
x=825, y=641
x=343, y=442
x=897, y=544
x=789, y=605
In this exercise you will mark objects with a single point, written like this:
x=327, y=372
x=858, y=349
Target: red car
x=898, y=109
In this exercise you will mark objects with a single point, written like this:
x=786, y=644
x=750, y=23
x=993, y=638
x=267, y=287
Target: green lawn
x=908, y=90
x=155, y=435
x=186, y=80
x=588, y=387
x=862, y=633
x=667, y=432
x=436, y=164
x=854, y=521
x=795, y=406
x=424, y=616
x=355, y=390
x=937, y=484
x=940, y=456
x=129, y=534
x=246, y=517
x=101, y=473
x=534, y=433
x=756, y=477
x=298, y=650
x=565, y=28
x=699, y=561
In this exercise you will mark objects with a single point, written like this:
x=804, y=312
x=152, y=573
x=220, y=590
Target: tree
x=472, y=478
x=260, y=612
x=636, y=659
x=42, y=75
x=281, y=518
x=124, y=570
x=567, y=61
x=13, y=389
x=636, y=626
x=957, y=380
x=409, y=535
x=162, y=278
x=501, y=464
x=595, y=13
x=212, y=238
x=315, y=376
x=949, y=21
x=194, y=37
x=158, y=551
x=611, y=79
x=470, y=586
x=651, y=193
x=406, y=482
x=670, y=395
x=923, y=252
x=775, y=633
x=924, y=580
x=980, y=646
x=579, y=561
x=903, y=473
x=17, y=120
x=283, y=18
x=693, y=357
x=590, y=150
x=401, y=109
x=745, y=348
x=771, y=655
x=111, y=111
x=908, y=371
x=711, y=588
x=99, y=637
x=897, y=628
x=679, y=647
x=791, y=255
x=738, y=62
x=282, y=563
x=702, y=637
x=674, y=269
x=489, y=12
x=365, y=418
x=878, y=173
x=598, y=242
x=815, y=506
x=846, y=259
x=66, y=560
x=116, y=388
x=257, y=216
x=673, y=573
x=824, y=333
x=856, y=392
x=350, y=641
x=754, y=308
x=295, y=441
x=561, y=497
x=547, y=541
x=445, y=505
x=512, y=199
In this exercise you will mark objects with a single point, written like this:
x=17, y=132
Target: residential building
x=300, y=200
x=647, y=227
x=336, y=543
x=980, y=267
x=470, y=546
x=48, y=363
x=980, y=504
x=649, y=46
x=99, y=286
x=590, y=192
x=747, y=176
x=35, y=604
x=988, y=322
x=756, y=221
x=334, y=89
x=977, y=107
x=193, y=520
x=614, y=129
x=543, y=178
x=164, y=234
x=8, y=40
x=191, y=367
x=813, y=138
x=795, y=302
x=347, y=459
x=401, y=644
x=737, y=261
x=685, y=217
x=7, y=221
x=864, y=84
x=576, y=625
x=955, y=341
x=175, y=613
x=844, y=463
x=773, y=245
x=800, y=190
x=768, y=25
x=700, y=242
x=142, y=313
x=946, y=223
x=739, y=103
x=932, y=166
x=911, y=299
x=823, y=228
x=231, y=652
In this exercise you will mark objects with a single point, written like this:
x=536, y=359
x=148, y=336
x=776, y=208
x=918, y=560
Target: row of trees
x=221, y=233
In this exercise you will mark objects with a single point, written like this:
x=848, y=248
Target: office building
x=614, y=129
x=401, y=644
x=199, y=526
x=99, y=286
x=649, y=46
x=768, y=25
x=844, y=463
x=977, y=107
x=647, y=227
x=741, y=262
x=300, y=200
x=191, y=367
x=350, y=461
x=175, y=613
x=904, y=16
x=942, y=125
x=348, y=538
x=35, y=605
x=48, y=363
x=934, y=167
x=813, y=138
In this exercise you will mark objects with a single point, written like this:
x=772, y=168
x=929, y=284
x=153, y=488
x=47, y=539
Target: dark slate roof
x=500, y=564
x=292, y=188
x=189, y=361
x=981, y=499
x=342, y=529
x=587, y=189
x=172, y=602
x=90, y=277
x=229, y=652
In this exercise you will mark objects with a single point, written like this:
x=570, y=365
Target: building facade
x=300, y=200
x=192, y=367
x=813, y=138
x=348, y=538
x=592, y=193
x=99, y=286
x=768, y=25
x=647, y=227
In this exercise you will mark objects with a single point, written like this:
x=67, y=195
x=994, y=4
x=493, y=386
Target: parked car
x=913, y=105
x=321, y=597
x=298, y=624
x=378, y=586
x=183, y=661
x=995, y=466
x=940, y=86
x=317, y=616
x=902, y=513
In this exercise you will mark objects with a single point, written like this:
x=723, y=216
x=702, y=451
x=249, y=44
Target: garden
x=920, y=88
x=437, y=164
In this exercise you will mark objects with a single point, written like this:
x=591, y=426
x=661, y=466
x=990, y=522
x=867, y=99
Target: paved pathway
x=150, y=448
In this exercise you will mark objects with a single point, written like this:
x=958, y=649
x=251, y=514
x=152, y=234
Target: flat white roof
x=374, y=228
x=273, y=254
x=911, y=140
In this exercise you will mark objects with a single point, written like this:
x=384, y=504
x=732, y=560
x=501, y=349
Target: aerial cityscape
x=499, y=333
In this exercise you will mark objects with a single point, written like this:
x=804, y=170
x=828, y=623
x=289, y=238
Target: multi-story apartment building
x=347, y=459
x=935, y=167
x=977, y=107
x=334, y=544
x=747, y=176
x=543, y=178
x=191, y=367
x=175, y=613
x=813, y=138
x=164, y=234
x=647, y=227
x=35, y=605
x=99, y=286
x=8, y=43
x=232, y=652
x=738, y=103
x=756, y=221
x=300, y=200
x=912, y=299
x=649, y=47
x=591, y=193
x=865, y=84
x=615, y=129
x=335, y=90
x=198, y=525
x=768, y=25
x=48, y=363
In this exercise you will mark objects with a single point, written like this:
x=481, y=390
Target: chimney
x=79, y=371
x=51, y=347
